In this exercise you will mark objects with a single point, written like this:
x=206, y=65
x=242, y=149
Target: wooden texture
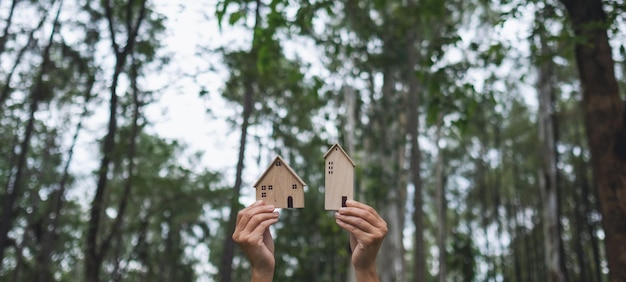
x=280, y=186
x=339, y=178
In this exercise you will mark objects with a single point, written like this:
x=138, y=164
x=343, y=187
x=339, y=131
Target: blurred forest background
x=489, y=134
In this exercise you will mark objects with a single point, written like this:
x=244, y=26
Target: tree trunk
x=604, y=120
x=496, y=186
x=517, y=233
x=391, y=257
x=485, y=196
x=128, y=184
x=226, y=267
x=577, y=238
x=548, y=182
x=44, y=256
x=441, y=203
x=582, y=169
x=93, y=253
x=350, y=101
x=415, y=161
x=229, y=245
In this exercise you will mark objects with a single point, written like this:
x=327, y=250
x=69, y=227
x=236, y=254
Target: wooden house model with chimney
x=280, y=186
x=339, y=178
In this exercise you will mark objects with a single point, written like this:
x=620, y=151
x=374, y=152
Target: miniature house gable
x=339, y=178
x=280, y=186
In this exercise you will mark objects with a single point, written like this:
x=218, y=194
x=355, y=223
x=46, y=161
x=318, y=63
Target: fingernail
x=341, y=210
x=270, y=208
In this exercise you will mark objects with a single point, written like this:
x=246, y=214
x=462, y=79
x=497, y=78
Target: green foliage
x=462, y=263
x=167, y=204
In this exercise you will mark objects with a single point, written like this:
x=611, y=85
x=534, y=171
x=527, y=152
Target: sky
x=180, y=113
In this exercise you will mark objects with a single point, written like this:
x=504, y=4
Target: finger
x=258, y=220
x=245, y=215
x=245, y=211
x=362, y=206
x=264, y=224
x=360, y=217
x=355, y=231
x=356, y=221
x=354, y=208
x=257, y=235
x=253, y=232
x=257, y=207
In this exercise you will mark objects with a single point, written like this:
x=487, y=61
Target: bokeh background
x=489, y=134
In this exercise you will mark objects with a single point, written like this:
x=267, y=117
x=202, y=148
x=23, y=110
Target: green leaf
x=235, y=17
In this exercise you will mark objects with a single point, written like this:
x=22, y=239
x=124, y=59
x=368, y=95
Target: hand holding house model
x=280, y=186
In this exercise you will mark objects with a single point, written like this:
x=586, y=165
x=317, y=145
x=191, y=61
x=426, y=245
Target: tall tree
x=249, y=78
x=415, y=160
x=57, y=199
x=96, y=244
x=548, y=181
x=605, y=123
x=440, y=195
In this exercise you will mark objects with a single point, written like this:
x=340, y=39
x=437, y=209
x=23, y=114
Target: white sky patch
x=181, y=114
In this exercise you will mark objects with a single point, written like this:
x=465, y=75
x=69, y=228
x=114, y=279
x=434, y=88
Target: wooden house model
x=280, y=186
x=339, y=178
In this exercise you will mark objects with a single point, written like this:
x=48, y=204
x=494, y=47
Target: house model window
x=281, y=184
x=339, y=178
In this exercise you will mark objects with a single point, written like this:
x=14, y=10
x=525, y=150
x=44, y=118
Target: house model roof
x=278, y=158
x=333, y=147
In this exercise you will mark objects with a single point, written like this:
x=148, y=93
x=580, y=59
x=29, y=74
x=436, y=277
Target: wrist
x=366, y=274
x=262, y=275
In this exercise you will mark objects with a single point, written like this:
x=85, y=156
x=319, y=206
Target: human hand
x=367, y=231
x=253, y=236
